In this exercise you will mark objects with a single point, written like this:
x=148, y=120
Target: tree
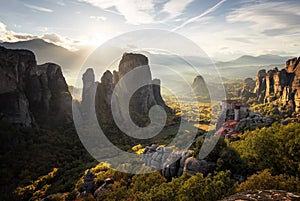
x=265, y=181
x=275, y=148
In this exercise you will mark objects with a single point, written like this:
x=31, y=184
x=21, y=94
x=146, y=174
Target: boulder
x=88, y=184
x=193, y=166
x=173, y=163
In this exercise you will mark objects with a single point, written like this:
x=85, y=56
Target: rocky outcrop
x=157, y=95
x=267, y=195
x=141, y=101
x=16, y=67
x=14, y=108
x=49, y=96
x=247, y=90
x=88, y=183
x=199, y=87
x=31, y=94
x=173, y=163
x=88, y=92
x=193, y=166
x=103, y=188
x=280, y=85
x=260, y=88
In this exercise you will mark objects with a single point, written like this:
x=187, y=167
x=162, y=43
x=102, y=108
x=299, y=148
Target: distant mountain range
x=246, y=60
x=71, y=62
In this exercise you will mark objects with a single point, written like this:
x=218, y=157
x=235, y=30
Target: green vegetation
x=155, y=187
x=192, y=188
x=29, y=157
x=267, y=110
x=37, y=188
x=58, y=162
x=36, y=163
x=233, y=88
x=275, y=148
x=265, y=181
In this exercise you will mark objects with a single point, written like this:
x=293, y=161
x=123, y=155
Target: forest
x=266, y=158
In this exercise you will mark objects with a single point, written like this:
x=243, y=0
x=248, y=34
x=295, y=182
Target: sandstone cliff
x=31, y=94
x=280, y=85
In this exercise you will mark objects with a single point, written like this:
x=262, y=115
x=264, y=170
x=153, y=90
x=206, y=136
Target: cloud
x=149, y=11
x=60, y=3
x=38, y=8
x=240, y=39
x=269, y=18
x=54, y=38
x=98, y=18
x=2, y=27
x=175, y=8
x=11, y=36
x=20, y=36
x=134, y=11
x=276, y=32
x=198, y=17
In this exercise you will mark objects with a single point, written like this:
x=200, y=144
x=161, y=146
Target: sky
x=224, y=29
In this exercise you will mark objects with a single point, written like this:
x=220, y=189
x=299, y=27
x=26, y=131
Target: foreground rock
x=31, y=94
x=173, y=163
x=264, y=195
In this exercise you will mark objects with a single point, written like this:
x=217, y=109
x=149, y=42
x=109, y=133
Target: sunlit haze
x=224, y=29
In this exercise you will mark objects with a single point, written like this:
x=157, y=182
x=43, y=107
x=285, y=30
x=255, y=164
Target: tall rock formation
x=247, y=89
x=50, y=100
x=281, y=85
x=31, y=94
x=143, y=98
x=199, y=87
x=88, y=91
x=15, y=68
x=260, y=87
x=140, y=102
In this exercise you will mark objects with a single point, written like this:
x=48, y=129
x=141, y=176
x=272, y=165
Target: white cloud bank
x=11, y=36
x=269, y=18
x=175, y=8
x=141, y=11
x=135, y=11
x=252, y=27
